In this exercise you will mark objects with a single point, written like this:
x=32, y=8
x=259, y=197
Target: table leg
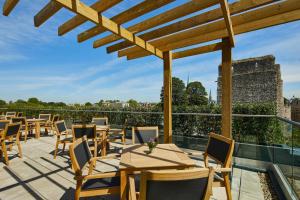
x=37, y=130
x=123, y=186
x=104, y=140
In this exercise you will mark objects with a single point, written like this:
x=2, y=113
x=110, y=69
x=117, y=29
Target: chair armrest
x=132, y=191
x=101, y=175
x=220, y=169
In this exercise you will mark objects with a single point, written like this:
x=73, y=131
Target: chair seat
x=68, y=139
x=93, y=184
x=115, y=137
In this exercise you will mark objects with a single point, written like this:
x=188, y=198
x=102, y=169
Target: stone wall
x=295, y=104
x=256, y=80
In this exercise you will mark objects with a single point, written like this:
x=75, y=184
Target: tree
x=20, y=101
x=178, y=92
x=2, y=102
x=88, y=104
x=133, y=103
x=33, y=100
x=196, y=94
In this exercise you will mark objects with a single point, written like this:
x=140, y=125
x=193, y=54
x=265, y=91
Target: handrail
x=143, y=112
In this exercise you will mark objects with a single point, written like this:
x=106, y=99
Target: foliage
x=2, y=102
x=133, y=103
x=178, y=92
x=196, y=94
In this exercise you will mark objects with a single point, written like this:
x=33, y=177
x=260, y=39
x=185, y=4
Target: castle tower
x=255, y=80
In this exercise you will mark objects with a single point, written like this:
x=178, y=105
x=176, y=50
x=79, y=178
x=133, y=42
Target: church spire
x=188, y=80
x=210, y=98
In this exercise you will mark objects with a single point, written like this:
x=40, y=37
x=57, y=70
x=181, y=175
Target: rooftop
x=38, y=176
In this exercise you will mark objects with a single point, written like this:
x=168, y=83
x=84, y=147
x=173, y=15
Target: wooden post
x=226, y=88
x=167, y=58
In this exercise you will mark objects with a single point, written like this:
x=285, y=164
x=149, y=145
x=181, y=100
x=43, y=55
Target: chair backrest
x=55, y=118
x=141, y=135
x=19, y=114
x=12, y=129
x=11, y=114
x=84, y=130
x=45, y=116
x=100, y=121
x=19, y=119
x=60, y=127
x=193, y=184
x=220, y=149
x=3, y=123
x=80, y=154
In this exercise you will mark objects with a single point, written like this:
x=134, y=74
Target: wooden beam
x=257, y=19
x=235, y=8
x=48, y=11
x=227, y=18
x=162, y=18
x=132, y=13
x=167, y=58
x=198, y=50
x=8, y=6
x=80, y=8
x=76, y=21
x=226, y=88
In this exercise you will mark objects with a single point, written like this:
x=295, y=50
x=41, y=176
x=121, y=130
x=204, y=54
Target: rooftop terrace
x=38, y=176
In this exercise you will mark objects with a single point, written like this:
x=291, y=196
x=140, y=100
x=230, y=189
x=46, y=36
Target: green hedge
x=250, y=129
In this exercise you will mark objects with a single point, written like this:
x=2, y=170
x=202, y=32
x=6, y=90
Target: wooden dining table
x=37, y=126
x=164, y=156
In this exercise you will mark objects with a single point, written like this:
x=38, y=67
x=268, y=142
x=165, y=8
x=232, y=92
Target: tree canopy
x=196, y=94
x=178, y=92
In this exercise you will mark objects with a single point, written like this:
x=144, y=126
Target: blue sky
x=37, y=62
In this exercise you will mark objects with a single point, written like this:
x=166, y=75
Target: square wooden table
x=37, y=126
x=164, y=156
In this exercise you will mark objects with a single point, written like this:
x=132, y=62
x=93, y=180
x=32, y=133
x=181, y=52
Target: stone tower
x=256, y=80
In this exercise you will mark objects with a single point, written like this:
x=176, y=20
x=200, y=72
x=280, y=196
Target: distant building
x=295, y=107
x=256, y=80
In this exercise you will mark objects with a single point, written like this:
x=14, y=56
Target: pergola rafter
x=221, y=23
x=242, y=23
x=127, y=15
x=200, y=19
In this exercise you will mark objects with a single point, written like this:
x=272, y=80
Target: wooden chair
x=91, y=184
x=47, y=123
x=24, y=125
x=3, y=124
x=10, y=136
x=62, y=135
x=100, y=121
x=55, y=118
x=220, y=149
x=10, y=115
x=89, y=131
x=141, y=135
x=191, y=184
x=118, y=133
x=19, y=114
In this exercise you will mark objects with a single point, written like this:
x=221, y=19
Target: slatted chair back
x=3, y=124
x=192, y=184
x=220, y=149
x=20, y=114
x=19, y=119
x=100, y=121
x=60, y=127
x=11, y=114
x=80, y=154
x=46, y=117
x=84, y=130
x=141, y=135
x=12, y=130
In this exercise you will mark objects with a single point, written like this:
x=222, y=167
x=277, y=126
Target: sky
x=38, y=63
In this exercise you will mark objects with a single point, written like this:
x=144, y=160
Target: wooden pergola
x=151, y=37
